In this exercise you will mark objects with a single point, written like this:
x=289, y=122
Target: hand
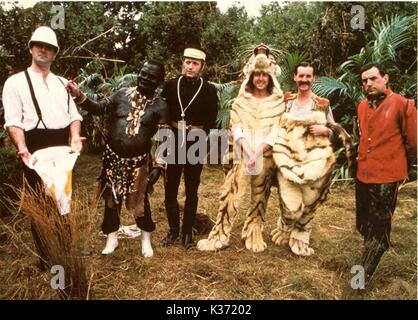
x=73, y=89
x=25, y=156
x=319, y=130
x=251, y=163
x=77, y=143
x=153, y=176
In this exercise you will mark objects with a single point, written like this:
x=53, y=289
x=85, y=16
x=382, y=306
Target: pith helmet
x=45, y=35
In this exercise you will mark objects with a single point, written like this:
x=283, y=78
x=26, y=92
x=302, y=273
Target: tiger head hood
x=249, y=111
x=262, y=60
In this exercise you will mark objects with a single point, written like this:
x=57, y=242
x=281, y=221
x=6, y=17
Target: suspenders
x=35, y=101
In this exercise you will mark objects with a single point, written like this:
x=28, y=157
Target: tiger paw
x=254, y=240
x=255, y=246
x=299, y=243
x=280, y=237
x=213, y=243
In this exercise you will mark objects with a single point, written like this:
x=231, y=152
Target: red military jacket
x=388, y=139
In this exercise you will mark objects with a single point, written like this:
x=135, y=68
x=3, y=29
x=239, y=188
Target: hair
x=159, y=64
x=250, y=86
x=304, y=64
x=378, y=66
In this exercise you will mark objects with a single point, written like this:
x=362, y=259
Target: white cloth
x=54, y=165
x=19, y=110
x=238, y=133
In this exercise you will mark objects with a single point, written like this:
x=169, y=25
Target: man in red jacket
x=388, y=146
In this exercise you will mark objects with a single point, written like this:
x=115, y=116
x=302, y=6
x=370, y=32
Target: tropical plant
x=390, y=38
x=287, y=64
x=226, y=95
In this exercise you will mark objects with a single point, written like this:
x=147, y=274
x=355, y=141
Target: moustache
x=303, y=82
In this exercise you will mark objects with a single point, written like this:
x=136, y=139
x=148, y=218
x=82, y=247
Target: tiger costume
x=305, y=164
x=258, y=118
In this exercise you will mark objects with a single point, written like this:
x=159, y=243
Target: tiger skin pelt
x=305, y=165
x=256, y=116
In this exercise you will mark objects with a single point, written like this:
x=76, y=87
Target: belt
x=188, y=127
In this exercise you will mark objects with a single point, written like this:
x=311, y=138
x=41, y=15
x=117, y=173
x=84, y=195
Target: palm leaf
x=389, y=36
x=326, y=86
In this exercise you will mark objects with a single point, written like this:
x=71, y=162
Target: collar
x=191, y=81
x=38, y=74
x=376, y=102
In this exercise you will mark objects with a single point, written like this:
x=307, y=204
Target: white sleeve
x=237, y=133
x=12, y=103
x=330, y=117
x=271, y=137
x=74, y=114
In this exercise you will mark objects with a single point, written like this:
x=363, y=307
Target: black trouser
x=111, y=218
x=37, y=139
x=375, y=205
x=191, y=180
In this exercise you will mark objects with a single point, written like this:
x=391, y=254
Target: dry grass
x=58, y=236
x=234, y=273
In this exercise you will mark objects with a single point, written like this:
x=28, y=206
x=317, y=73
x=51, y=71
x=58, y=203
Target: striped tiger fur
x=305, y=164
x=258, y=116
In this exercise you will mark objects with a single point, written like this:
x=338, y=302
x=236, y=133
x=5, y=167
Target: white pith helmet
x=46, y=35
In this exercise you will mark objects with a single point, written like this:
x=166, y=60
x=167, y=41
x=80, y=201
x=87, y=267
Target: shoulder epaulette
x=321, y=104
x=289, y=96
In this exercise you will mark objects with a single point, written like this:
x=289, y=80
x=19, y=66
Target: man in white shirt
x=38, y=110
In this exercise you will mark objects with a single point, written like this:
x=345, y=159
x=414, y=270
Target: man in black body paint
x=128, y=172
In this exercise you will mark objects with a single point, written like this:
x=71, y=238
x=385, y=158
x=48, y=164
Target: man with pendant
x=135, y=116
x=193, y=105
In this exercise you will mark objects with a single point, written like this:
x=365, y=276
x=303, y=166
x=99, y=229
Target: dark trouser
x=111, y=219
x=375, y=205
x=37, y=139
x=191, y=180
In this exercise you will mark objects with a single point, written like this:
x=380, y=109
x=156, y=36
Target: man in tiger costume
x=300, y=128
x=304, y=155
x=254, y=114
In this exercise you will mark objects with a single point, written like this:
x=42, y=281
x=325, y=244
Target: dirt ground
x=233, y=273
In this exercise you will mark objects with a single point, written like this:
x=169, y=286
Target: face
x=42, y=54
x=373, y=83
x=260, y=81
x=149, y=77
x=304, y=78
x=191, y=68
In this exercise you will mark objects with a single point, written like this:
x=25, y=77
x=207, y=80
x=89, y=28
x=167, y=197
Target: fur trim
x=300, y=156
